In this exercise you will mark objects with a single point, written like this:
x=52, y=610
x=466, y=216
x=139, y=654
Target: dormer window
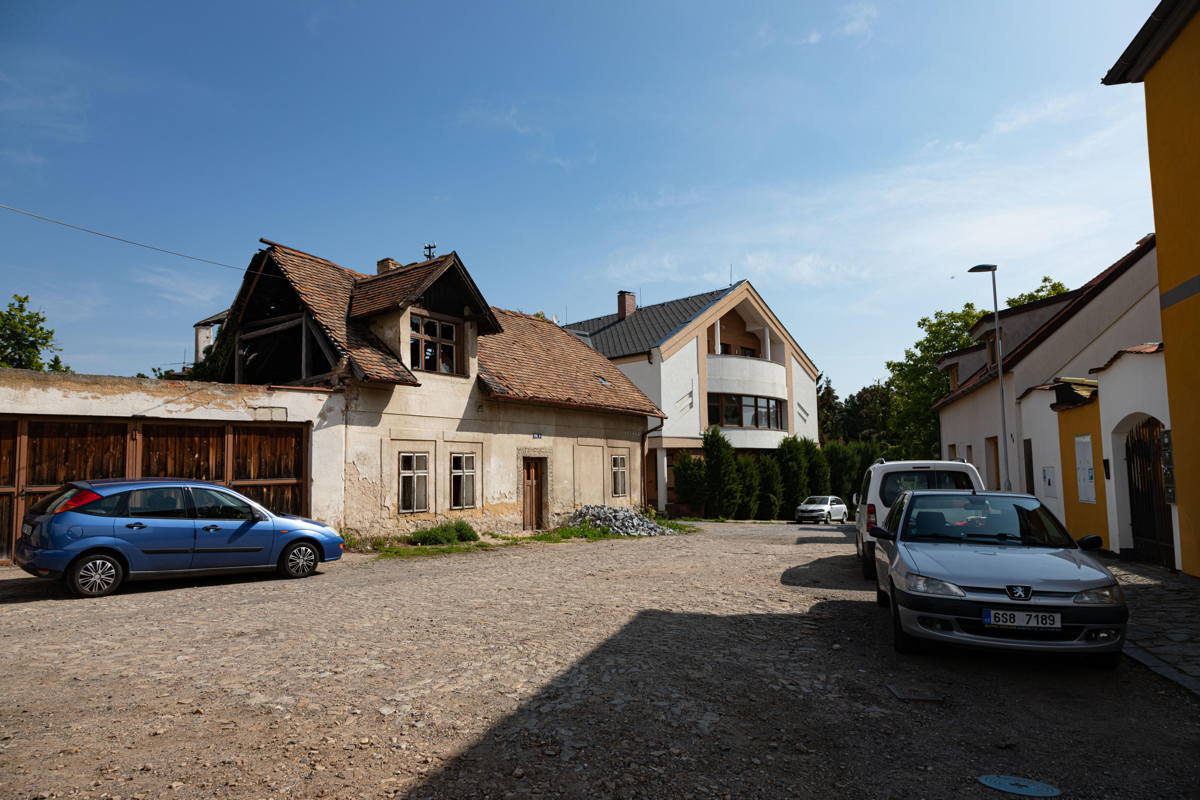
x=434, y=344
x=991, y=350
x=953, y=378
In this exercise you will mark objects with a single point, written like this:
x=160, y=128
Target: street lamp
x=999, y=374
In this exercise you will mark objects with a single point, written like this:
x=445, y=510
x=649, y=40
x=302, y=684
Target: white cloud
x=1053, y=109
x=859, y=19
x=179, y=286
x=501, y=117
x=45, y=105
x=851, y=266
x=22, y=158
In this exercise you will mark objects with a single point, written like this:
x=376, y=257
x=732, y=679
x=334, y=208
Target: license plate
x=1038, y=620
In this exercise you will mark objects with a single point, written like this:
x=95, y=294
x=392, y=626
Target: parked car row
x=98, y=534
x=955, y=563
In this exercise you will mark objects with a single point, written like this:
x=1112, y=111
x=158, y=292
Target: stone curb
x=1160, y=667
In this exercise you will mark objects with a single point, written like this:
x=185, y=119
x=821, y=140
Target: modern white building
x=720, y=358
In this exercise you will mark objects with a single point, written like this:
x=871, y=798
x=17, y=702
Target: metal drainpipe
x=646, y=435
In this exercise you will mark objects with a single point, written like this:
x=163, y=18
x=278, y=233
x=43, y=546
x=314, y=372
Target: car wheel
x=881, y=598
x=1105, y=660
x=828, y=519
x=299, y=560
x=867, y=559
x=905, y=643
x=857, y=546
x=845, y=516
x=95, y=575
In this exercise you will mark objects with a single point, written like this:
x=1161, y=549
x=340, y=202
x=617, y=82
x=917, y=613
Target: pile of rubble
x=623, y=521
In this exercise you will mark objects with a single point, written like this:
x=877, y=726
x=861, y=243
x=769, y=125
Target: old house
x=379, y=403
x=720, y=358
x=1085, y=406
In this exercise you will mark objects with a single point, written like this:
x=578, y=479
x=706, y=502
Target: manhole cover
x=1021, y=786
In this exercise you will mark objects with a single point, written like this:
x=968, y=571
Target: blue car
x=97, y=534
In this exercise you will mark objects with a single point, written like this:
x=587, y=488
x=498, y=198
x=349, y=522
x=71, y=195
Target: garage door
x=264, y=461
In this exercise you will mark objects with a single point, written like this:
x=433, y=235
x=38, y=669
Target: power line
x=119, y=239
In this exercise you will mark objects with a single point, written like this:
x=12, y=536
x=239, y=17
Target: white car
x=883, y=483
x=821, y=508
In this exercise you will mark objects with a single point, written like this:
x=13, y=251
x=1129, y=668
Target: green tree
x=1047, y=288
x=916, y=383
x=723, y=489
x=829, y=412
x=793, y=469
x=25, y=341
x=748, y=480
x=770, y=488
x=690, y=482
x=818, y=468
x=866, y=413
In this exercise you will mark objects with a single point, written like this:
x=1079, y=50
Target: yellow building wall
x=1173, y=130
x=1083, y=519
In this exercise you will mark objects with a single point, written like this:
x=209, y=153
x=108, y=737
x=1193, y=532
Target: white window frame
x=420, y=501
x=619, y=464
x=465, y=469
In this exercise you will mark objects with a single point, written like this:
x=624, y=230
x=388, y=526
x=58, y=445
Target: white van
x=884, y=481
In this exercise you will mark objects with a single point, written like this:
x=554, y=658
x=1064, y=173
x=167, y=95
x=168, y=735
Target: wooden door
x=532, y=492
x=1153, y=536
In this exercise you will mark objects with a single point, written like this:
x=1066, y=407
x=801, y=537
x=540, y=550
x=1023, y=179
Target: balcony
x=742, y=375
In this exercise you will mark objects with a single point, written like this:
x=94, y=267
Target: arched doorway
x=1149, y=514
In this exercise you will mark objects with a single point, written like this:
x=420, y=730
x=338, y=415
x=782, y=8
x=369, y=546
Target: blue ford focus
x=97, y=534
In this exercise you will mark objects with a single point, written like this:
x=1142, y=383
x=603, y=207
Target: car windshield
x=984, y=519
x=898, y=481
x=814, y=501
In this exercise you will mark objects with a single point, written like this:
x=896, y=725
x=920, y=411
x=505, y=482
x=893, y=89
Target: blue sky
x=850, y=159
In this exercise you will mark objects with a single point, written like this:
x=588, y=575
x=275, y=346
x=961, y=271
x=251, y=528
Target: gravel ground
x=744, y=661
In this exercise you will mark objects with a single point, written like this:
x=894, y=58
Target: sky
x=851, y=159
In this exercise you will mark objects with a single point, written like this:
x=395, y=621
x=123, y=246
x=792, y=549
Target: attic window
x=603, y=381
x=953, y=378
x=433, y=344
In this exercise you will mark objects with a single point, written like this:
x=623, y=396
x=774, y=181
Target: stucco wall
x=804, y=402
x=682, y=392
x=1039, y=424
x=1131, y=389
x=43, y=393
x=450, y=415
x=1173, y=117
x=1083, y=516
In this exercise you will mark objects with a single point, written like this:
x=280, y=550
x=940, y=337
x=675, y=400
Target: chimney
x=626, y=304
x=386, y=265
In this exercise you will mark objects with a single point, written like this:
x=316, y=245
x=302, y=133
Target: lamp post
x=999, y=374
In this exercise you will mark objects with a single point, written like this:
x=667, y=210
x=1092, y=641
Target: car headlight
x=1110, y=595
x=923, y=585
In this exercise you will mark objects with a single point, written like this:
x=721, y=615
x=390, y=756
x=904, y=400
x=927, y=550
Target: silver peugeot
x=995, y=570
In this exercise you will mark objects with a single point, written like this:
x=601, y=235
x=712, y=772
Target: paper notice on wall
x=1085, y=475
x=1049, y=482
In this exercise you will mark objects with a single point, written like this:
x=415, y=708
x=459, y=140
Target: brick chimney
x=626, y=304
x=386, y=265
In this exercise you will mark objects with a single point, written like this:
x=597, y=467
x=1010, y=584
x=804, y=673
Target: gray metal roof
x=646, y=327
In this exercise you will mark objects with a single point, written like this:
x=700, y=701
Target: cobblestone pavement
x=746, y=661
x=1164, y=620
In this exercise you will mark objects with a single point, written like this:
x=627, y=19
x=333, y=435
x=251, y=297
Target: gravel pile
x=618, y=520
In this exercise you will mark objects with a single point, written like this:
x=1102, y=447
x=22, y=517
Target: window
x=746, y=411
x=953, y=376
x=462, y=480
x=726, y=348
x=433, y=345
x=166, y=502
x=212, y=504
x=748, y=352
x=111, y=506
x=414, y=482
x=620, y=476
x=894, y=483
x=951, y=452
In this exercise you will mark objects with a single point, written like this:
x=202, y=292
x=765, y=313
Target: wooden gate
x=533, y=480
x=1153, y=538
x=264, y=461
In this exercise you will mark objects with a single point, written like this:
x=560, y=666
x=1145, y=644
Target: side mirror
x=1092, y=542
x=856, y=498
x=882, y=533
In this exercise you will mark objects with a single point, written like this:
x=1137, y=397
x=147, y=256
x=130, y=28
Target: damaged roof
x=647, y=327
x=534, y=360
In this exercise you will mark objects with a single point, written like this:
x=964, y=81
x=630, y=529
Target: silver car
x=821, y=508
x=994, y=570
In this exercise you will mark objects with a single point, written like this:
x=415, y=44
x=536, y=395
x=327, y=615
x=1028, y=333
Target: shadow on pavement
x=34, y=590
x=831, y=572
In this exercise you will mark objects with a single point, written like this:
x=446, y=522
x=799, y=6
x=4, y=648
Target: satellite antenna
x=429, y=250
